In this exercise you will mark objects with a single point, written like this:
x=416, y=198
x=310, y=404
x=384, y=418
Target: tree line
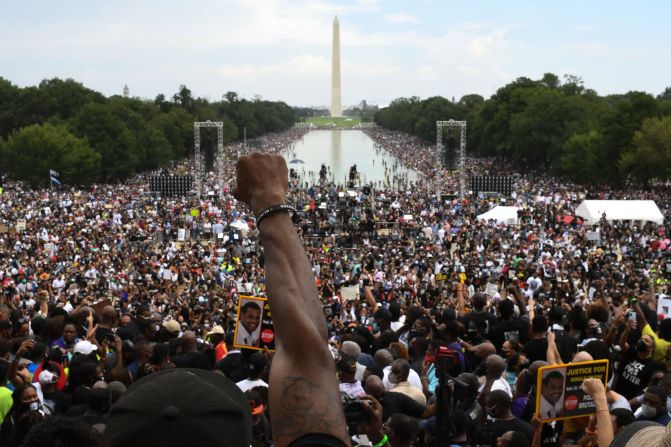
x=554, y=126
x=87, y=137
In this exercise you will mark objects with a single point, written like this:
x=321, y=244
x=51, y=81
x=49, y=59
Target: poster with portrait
x=254, y=328
x=559, y=393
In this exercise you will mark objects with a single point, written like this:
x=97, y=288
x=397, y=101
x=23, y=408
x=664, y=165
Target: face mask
x=648, y=411
x=35, y=406
x=157, y=327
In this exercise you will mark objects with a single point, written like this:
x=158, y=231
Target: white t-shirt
x=499, y=384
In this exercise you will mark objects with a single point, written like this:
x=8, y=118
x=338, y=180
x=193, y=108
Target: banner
x=254, y=328
x=55, y=178
x=559, y=393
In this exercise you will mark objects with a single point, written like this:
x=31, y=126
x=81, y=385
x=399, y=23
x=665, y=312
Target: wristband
x=382, y=442
x=283, y=207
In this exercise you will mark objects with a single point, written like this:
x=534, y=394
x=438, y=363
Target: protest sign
x=350, y=293
x=20, y=225
x=195, y=212
x=594, y=236
x=181, y=234
x=441, y=277
x=664, y=306
x=559, y=393
x=254, y=328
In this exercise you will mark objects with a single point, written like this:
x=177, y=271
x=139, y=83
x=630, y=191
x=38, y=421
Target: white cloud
x=402, y=18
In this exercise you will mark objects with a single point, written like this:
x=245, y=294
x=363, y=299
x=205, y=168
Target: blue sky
x=281, y=49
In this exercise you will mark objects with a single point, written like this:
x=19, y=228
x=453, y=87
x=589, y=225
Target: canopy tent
x=501, y=214
x=593, y=210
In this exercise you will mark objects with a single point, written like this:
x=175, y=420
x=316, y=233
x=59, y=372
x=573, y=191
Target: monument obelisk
x=336, y=104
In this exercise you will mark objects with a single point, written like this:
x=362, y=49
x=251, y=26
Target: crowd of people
x=106, y=287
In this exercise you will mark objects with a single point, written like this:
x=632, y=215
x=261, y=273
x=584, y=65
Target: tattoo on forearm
x=307, y=408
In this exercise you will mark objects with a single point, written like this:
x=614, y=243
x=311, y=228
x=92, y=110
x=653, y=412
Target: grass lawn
x=328, y=121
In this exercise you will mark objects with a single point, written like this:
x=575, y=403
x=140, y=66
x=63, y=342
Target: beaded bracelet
x=283, y=207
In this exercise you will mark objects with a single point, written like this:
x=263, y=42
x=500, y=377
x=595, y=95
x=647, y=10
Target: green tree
x=580, y=157
x=9, y=95
x=184, y=98
x=111, y=138
x=618, y=125
x=32, y=151
x=650, y=155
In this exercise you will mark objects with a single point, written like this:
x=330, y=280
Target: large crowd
x=104, y=286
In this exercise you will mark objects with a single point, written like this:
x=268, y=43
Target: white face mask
x=648, y=411
x=35, y=406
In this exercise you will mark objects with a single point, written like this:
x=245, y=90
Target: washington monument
x=336, y=103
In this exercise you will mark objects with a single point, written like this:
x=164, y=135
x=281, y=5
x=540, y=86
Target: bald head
x=495, y=364
x=582, y=356
x=485, y=349
x=374, y=386
x=533, y=370
x=189, y=341
x=351, y=349
x=383, y=358
x=108, y=314
x=401, y=369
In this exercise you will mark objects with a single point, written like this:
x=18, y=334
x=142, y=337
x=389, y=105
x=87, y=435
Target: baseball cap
x=181, y=406
x=85, y=347
x=47, y=378
x=217, y=330
x=172, y=326
x=257, y=362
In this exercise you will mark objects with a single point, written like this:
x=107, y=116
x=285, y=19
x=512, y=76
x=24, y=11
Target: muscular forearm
x=304, y=395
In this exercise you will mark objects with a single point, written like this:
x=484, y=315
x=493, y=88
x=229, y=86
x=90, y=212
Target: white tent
x=646, y=210
x=501, y=214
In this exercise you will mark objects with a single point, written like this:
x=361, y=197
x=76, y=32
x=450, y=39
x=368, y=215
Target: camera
x=355, y=412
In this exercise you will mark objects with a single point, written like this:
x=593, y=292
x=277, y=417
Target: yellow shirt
x=661, y=345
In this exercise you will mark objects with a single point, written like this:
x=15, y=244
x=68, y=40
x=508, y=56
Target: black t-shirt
x=505, y=330
x=566, y=345
x=634, y=376
x=477, y=317
x=536, y=349
x=393, y=403
x=492, y=430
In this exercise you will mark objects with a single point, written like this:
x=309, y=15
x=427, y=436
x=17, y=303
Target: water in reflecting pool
x=339, y=150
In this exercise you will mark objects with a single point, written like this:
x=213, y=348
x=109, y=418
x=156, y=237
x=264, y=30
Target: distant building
x=125, y=91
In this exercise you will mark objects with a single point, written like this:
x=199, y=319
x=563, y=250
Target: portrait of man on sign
x=552, y=394
x=248, y=327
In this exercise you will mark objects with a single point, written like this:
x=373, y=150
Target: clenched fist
x=262, y=180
